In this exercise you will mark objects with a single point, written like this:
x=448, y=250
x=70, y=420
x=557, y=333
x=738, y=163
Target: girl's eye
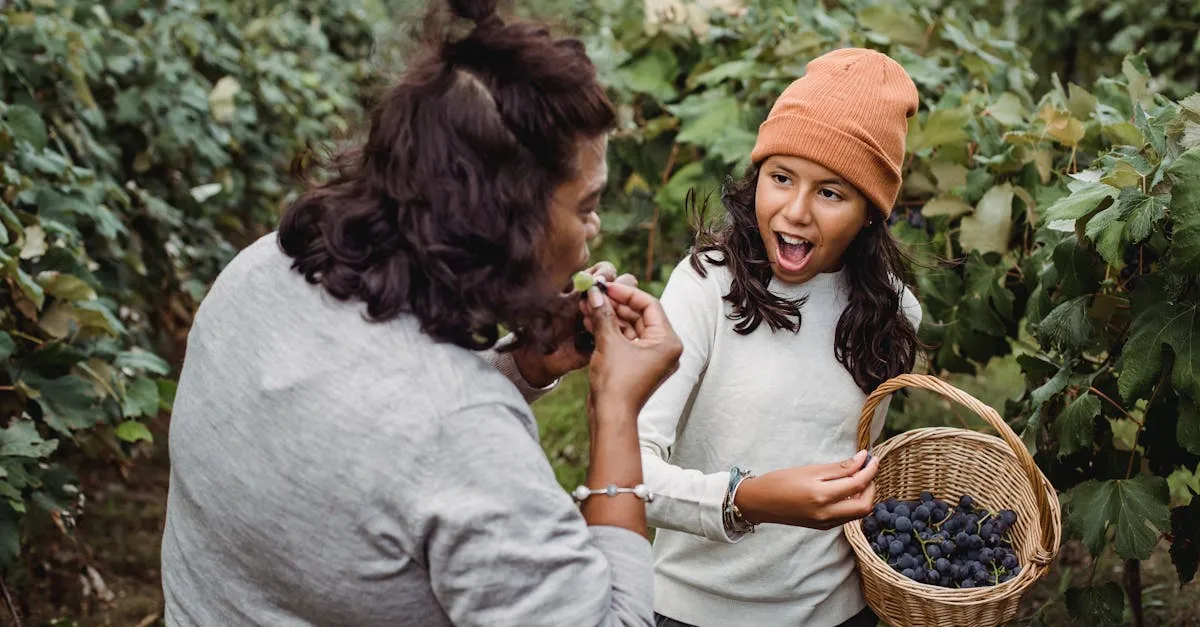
x=781, y=179
x=829, y=194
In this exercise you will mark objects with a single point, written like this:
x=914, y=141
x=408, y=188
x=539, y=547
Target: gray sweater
x=326, y=470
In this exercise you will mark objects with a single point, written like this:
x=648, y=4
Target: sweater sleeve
x=507, y=365
x=684, y=499
x=505, y=545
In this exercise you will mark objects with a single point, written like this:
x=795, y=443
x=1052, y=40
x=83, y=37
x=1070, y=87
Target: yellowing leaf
x=1081, y=104
x=58, y=321
x=897, y=26
x=35, y=243
x=1122, y=175
x=951, y=206
x=133, y=431
x=989, y=228
x=1007, y=110
x=950, y=176
x=65, y=286
x=1061, y=126
x=221, y=100
x=945, y=126
x=1044, y=161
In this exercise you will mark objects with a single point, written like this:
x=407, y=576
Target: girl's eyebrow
x=833, y=180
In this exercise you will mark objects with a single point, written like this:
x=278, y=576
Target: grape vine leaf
x=1187, y=430
x=1099, y=606
x=23, y=440
x=1067, y=325
x=142, y=360
x=1078, y=271
x=1076, y=425
x=141, y=399
x=895, y=25
x=27, y=124
x=1185, y=546
x=1185, y=212
x=10, y=536
x=652, y=74
x=133, y=431
x=1007, y=110
x=1136, y=507
x=1080, y=203
x=1141, y=212
x=1165, y=323
x=988, y=229
x=7, y=346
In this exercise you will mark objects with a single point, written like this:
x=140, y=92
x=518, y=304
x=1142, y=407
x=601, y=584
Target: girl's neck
x=823, y=281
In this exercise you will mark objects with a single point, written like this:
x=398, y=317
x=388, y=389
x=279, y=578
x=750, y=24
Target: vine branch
x=12, y=608
x=653, y=226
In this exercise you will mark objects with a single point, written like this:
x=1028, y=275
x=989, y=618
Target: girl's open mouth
x=794, y=252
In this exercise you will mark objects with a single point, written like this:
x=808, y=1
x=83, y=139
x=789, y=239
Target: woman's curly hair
x=440, y=211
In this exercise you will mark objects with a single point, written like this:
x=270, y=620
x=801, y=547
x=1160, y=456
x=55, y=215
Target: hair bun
x=477, y=11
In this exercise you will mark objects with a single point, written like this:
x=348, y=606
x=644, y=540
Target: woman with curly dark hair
x=352, y=441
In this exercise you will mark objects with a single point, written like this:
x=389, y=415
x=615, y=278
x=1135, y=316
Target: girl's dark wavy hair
x=440, y=211
x=874, y=340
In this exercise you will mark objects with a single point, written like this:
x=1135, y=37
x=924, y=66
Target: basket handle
x=989, y=415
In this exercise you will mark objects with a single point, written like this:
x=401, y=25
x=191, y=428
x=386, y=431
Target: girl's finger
x=844, y=468
x=853, y=507
x=853, y=484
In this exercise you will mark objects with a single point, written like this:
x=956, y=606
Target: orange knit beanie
x=849, y=113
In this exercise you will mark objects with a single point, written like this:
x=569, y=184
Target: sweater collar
x=825, y=282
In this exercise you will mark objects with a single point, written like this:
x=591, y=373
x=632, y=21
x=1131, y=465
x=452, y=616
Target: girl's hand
x=820, y=496
x=628, y=365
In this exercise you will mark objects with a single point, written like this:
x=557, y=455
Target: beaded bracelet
x=731, y=515
x=641, y=490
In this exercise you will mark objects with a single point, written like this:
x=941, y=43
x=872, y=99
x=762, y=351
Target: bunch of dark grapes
x=931, y=542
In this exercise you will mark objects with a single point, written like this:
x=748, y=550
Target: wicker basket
x=948, y=462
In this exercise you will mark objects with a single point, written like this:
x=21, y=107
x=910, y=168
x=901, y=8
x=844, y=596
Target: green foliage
x=1103, y=606
x=141, y=145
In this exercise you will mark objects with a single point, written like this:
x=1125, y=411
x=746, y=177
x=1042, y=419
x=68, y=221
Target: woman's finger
x=651, y=318
x=605, y=269
x=627, y=279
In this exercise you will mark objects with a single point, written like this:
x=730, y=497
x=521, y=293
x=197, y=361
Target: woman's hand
x=820, y=496
x=540, y=369
x=636, y=348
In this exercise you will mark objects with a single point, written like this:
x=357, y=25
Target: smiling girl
x=790, y=313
